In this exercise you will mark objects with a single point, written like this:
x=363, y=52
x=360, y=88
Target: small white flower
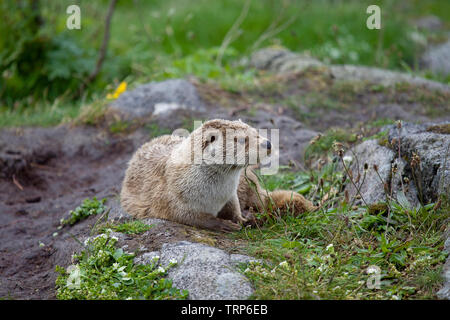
x=155, y=258
x=161, y=270
x=284, y=264
x=74, y=279
x=55, y=234
x=173, y=261
x=347, y=159
x=395, y=297
x=129, y=298
x=247, y=270
x=329, y=247
x=41, y=244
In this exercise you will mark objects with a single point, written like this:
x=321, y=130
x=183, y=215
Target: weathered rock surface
x=429, y=23
x=293, y=136
x=372, y=186
x=282, y=60
x=382, y=76
x=158, y=98
x=444, y=292
x=437, y=58
x=433, y=172
x=206, y=272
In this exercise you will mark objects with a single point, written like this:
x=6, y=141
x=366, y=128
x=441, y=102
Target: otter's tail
x=288, y=202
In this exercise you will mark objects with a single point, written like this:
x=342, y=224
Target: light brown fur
x=163, y=182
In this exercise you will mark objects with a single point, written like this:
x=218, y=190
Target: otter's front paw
x=250, y=219
x=229, y=226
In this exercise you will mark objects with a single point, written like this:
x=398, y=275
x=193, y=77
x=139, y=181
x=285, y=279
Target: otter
x=211, y=189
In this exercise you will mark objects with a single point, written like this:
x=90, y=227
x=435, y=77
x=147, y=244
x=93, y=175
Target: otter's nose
x=266, y=144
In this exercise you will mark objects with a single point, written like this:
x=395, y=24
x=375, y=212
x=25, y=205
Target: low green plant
x=329, y=253
x=324, y=142
x=87, y=208
x=130, y=227
x=105, y=272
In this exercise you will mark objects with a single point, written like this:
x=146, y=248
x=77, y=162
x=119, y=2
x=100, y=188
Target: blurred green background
x=41, y=61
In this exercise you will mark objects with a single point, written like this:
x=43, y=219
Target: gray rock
x=371, y=188
x=281, y=60
x=432, y=148
x=293, y=136
x=206, y=272
x=241, y=258
x=383, y=77
x=444, y=292
x=431, y=177
x=429, y=23
x=116, y=213
x=158, y=98
x=148, y=258
x=396, y=111
x=437, y=58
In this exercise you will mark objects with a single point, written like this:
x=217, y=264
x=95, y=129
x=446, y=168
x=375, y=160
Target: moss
x=440, y=128
x=119, y=126
x=377, y=208
x=130, y=227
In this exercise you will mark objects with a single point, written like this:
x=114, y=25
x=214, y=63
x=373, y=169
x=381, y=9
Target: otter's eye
x=213, y=138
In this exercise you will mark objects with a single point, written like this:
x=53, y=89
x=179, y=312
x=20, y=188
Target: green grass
x=42, y=115
x=144, y=34
x=326, y=254
x=130, y=227
x=324, y=142
x=155, y=40
x=87, y=208
x=104, y=272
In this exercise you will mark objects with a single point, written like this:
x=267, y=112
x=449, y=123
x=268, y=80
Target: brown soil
x=59, y=168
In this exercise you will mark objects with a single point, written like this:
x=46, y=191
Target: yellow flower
x=120, y=89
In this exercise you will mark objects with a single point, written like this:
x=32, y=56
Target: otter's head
x=230, y=143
